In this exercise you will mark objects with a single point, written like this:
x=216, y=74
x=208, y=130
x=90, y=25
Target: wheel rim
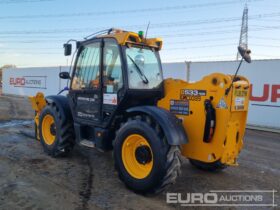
x=48, y=129
x=137, y=156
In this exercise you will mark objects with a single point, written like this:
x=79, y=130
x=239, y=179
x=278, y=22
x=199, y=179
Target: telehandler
x=118, y=100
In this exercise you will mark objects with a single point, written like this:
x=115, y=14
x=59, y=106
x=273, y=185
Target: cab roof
x=128, y=37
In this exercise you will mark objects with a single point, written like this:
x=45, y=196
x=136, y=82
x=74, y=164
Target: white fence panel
x=174, y=70
x=28, y=81
x=264, y=75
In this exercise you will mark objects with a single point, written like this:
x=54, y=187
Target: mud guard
x=170, y=124
x=62, y=103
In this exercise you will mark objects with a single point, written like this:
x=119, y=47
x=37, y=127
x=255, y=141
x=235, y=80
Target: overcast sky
x=33, y=31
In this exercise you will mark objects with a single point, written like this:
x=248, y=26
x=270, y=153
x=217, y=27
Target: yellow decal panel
x=240, y=99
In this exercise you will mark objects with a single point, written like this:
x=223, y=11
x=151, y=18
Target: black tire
x=64, y=132
x=215, y=166
x=166, y=158
x=36, y=129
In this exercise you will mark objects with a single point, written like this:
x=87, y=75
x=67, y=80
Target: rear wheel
x=55, y=131
x=146, y=163
x=215, y=166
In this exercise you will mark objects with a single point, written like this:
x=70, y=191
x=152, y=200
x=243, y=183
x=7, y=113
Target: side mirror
x=67, y=49
x=245, y=53
x=64, y=75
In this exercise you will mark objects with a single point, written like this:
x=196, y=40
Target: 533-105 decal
x=191, y=94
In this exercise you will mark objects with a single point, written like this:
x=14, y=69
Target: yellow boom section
x=38, y=102
x=186, y=100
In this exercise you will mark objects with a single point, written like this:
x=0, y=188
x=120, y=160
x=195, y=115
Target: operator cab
x=112, y=73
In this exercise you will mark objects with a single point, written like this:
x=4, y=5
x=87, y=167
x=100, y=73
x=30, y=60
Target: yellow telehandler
x=118, y=100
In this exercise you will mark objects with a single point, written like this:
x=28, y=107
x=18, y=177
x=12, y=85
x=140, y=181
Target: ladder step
x=87, y=143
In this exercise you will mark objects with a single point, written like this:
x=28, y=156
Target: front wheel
x=146, y=163
x=55, y=131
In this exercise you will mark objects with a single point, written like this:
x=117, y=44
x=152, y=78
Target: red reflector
x=211, y=133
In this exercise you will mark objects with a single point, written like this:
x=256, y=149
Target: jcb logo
x=267, y=89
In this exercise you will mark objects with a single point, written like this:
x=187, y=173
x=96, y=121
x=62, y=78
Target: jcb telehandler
x=118, y=100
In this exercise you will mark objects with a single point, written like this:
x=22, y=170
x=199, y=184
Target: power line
x=212, y=32
x=157, y=25
x=36, y=53
x=198, y=47
x=263, y=45
x=200, y=57
x=219, y=32
x=22, y=1
x=30, y=35
x=131, y=11
x=265, y=38
x=16, y=34
x=167, y=49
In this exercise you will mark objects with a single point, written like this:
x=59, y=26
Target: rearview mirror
x=245, y=53
x=67, y=49
x=64, y=75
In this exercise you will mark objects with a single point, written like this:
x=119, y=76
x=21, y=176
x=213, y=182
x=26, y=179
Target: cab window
x=113, y=80
x=88, y=68
x=144, y=69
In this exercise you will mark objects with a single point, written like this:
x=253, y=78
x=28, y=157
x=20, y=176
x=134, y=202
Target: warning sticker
x=179, y=107
x=222, y=104
x=239, y=103
x=193, y=95
x=111, y=99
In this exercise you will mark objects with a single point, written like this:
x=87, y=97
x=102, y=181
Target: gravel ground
x=14, y=108
x=29, y=179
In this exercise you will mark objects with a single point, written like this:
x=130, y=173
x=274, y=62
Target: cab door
x=85, y=91
x=113, y=89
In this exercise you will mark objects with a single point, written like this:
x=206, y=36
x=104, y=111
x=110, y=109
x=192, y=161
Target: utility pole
x=243, y=40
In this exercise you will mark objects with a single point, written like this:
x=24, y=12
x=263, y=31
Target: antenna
x=243, y=40
x=147, y=30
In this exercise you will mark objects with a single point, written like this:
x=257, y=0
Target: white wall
x=263, y=112
x=174, y=70
x=28, y=81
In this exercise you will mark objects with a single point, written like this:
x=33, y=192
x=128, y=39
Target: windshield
x=144, y=71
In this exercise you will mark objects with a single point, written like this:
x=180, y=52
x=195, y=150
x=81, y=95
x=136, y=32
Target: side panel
x=187, y=102
x=171, y=125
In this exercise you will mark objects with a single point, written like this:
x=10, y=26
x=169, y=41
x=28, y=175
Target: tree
x=7, y=66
